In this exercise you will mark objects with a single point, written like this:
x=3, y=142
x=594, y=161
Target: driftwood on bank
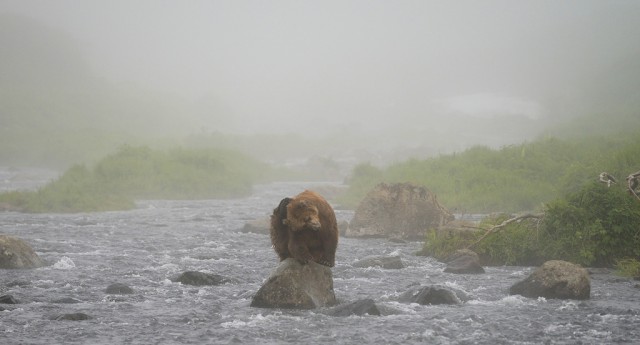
x=506, y=222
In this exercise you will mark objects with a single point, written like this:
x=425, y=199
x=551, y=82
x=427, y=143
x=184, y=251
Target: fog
x=416, y=77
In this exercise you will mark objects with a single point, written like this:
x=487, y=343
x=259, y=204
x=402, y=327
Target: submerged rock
x=257, y=226
x=295, y=286
x=434, y=294
x=388, y=262
x=17, y=254
x=118, y=289
x=200, y=279
x=555, y=279
x=67, y=300
x=73, y=317
x=360, y=308
x=400, y=210
x=464, y=261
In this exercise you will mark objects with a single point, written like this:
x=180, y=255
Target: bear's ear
x=281, y=210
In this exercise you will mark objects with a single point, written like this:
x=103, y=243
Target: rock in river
x=555, y=279
x=296, y=286
x=15, y=253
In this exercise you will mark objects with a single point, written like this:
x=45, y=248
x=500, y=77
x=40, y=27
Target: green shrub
x=628, y=268
x=596, y=226
x=518, y=243
x=439, y=245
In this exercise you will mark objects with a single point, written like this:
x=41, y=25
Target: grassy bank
x=143, y=173
x=510, y=179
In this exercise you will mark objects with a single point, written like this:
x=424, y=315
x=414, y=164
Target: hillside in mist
x=344, y=81
x=55, y=110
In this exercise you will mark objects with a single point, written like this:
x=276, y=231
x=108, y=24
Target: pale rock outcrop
x=400, y=210
x=16, y=253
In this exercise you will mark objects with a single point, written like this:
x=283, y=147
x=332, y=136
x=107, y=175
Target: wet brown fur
x=305, y=228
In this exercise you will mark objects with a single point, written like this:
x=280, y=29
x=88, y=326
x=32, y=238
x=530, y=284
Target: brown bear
x=305, y=228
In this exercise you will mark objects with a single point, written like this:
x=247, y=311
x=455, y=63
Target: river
x=145, y=248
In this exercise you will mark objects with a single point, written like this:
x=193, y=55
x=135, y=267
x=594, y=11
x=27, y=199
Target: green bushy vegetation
x=595, y=226
x=143, y=173
x=583, y=220
x=510, y=179
x=628, y=268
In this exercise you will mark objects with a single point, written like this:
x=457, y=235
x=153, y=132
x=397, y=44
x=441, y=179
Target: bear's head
x=301, y=214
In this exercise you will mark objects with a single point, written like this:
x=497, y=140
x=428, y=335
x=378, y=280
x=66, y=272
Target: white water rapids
x=145, y=248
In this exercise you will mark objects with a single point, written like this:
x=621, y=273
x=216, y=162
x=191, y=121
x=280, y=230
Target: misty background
x=377, y=81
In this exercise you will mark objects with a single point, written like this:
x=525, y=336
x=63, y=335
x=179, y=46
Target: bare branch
x=498, y=227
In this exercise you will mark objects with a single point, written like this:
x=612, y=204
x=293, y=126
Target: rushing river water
x=147, y=247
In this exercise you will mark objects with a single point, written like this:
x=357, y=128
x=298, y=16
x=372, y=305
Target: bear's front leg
x=300, y=252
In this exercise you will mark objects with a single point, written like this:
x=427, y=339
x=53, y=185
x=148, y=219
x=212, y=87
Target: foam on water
x=65, y=263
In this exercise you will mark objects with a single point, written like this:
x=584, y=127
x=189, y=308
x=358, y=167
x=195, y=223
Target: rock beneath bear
x=435, y=294
x=17, y=254
x=360, y=308
x=200, y=279
x=555, y=279
x=73, y=317
x=387, y=262
x=293, y=285
x=400, y=210
x=118, y=289
x=464, y=261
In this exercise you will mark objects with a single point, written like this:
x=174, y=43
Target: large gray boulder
x=15, y=253
x=296, y=286
x=555, y=279
x=400, y=210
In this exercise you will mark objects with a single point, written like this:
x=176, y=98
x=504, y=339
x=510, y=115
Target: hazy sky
x=267, y=65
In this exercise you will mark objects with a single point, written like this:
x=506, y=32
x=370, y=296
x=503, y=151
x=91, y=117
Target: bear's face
x=302, y=215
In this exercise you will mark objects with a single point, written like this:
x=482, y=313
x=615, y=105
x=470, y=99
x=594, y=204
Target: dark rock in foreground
x=555, y=279
x=360, y=308
x=200, y=279
x=433, y=295
x=118, y=289
x=464, y=261
x=8, y=299
x=388, y=262
x=296, y=286
x=17, y=254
